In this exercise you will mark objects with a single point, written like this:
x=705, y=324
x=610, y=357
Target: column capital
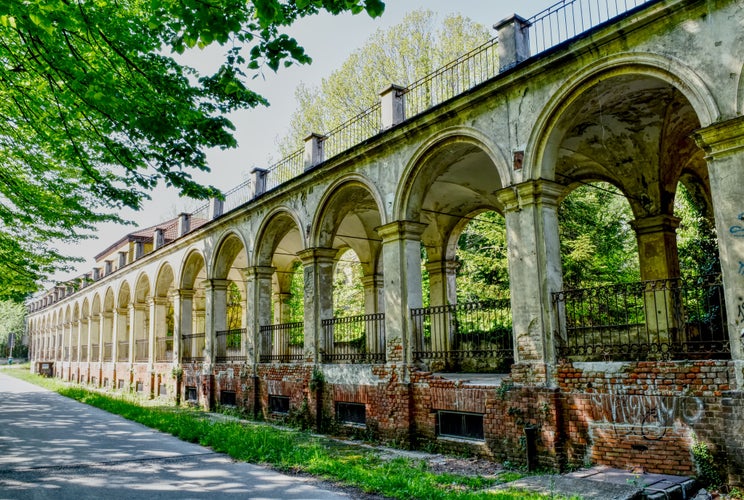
x=721, y=139
x=373, y=280
x=215, y=284
x=655, y=224
x=310, y=255
x=157, y=301
x=257, y=272
x=540, y=191
x=401, y=230
x=446, y=266
x=184, y=293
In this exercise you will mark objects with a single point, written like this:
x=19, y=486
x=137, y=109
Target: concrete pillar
x=442, y=288
x=313, y=150
x=657, y=246
x=533, y=250
x=158, y=309
x=123, y=259
x=318, y=297
x=258, y=309
x=259, y=181
x=184, y=223
x=183, y=313
x=216, y=316
x=724, y=147
x=393, y=106
x=374, y=297
x=216, y=208
x=401, y=262
x=514, y=41
x=158, y=238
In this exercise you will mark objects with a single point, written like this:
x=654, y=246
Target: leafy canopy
x=96, y=109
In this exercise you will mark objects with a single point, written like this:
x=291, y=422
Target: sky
x=329, y=40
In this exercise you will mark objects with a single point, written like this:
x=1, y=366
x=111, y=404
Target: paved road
x=54, y=448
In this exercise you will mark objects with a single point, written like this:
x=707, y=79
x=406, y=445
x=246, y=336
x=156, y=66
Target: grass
x=291, y=451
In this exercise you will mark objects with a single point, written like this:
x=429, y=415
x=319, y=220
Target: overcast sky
x=328, y=40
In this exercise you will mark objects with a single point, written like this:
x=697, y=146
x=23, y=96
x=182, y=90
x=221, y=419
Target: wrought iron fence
x=238, y=195
x=282, y=343
x=84, y=353
x=122, y=350
x=73, y=353
x=648, y=320
x=228, y=345
x=192, y=347
x=569, y=18
x=285, y=169
x=141, y=350
x=108, y=351
x=95, y=353
x=164, y=349
x=454, y=78
x=467, y=337
x=354, y=131
x=354, y=339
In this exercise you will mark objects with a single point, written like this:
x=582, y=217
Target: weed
x=708, y=474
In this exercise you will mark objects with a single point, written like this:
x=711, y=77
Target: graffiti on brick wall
x=647, y=415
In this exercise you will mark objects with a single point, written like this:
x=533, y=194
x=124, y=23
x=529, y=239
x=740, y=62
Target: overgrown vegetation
x=293, y=451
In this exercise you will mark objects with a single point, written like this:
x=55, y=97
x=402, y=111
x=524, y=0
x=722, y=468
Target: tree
x=96, y=109
x=481, y=252
x=401, y=55
x=598, y=246
x=12, y=321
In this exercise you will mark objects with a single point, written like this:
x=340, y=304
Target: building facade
x=648, y=99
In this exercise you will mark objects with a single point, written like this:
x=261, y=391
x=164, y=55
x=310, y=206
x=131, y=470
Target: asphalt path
x=52, y=447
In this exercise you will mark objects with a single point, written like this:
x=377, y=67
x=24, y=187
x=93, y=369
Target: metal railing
x=228, y=345
x=95, y=353
x=285, y=169
x=122, y=350
x=354, y=131
x=282, y=343
x=192, y=347
x=141, y=350
x=648, y=320
x=164, y=349
x=354, y=339
x=84, y=353
x=73, y=353
x=238, y=195
x=467, y=337
x=108, y=351
x=452, y=79
x=569, y=18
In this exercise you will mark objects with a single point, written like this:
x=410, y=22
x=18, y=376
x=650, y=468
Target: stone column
x=216, y=316
x=401, y=261
x=318, y=297
x=183, y=321
x=258, y=306
x=533, y=250
x=659, y=261
x=724, y=147
x=158, y=327
x=442, y=292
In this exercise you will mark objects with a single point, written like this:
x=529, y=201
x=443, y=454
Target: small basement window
x=140, y=387
x=279, y=404
x=227, y=398
x=351, y=413
x=460, y=425
x=163, y=390
x=190, y=393
x=120, y=384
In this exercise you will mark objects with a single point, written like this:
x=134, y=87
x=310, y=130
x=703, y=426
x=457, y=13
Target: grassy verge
x=291, y=451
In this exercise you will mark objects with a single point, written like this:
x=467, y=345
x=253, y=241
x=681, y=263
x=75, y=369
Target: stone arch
x=450, y=142
x=193, y=266
x=164, y=280
x=279, y=225
x=347, y=217
x=231, y=254
x=740, y=93
x=670, y=72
